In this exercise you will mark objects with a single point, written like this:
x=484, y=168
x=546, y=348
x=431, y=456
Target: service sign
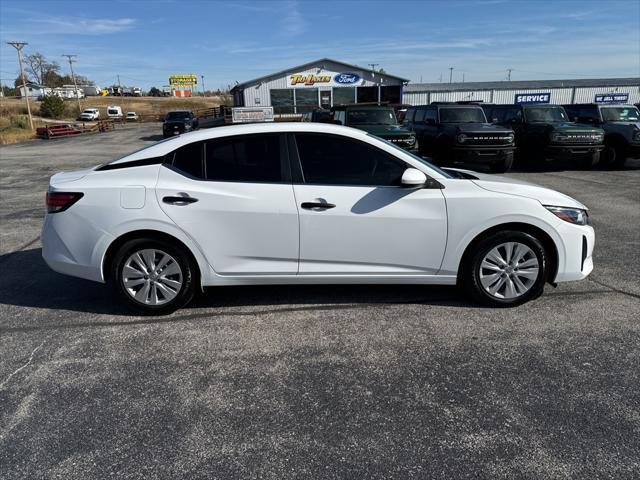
x=524, y=98
x=324, y=79
x=183, y=80
x=251, y=114
x=611, y=98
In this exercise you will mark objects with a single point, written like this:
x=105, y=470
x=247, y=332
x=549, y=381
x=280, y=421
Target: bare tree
x=40, y=69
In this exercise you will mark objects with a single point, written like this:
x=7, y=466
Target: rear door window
x=246, y=158
x=188, y=159
x=431, y=114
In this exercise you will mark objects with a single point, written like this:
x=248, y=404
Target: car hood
x=513, y=186
x=569, y=127
x=483, y=128
x=384, y=130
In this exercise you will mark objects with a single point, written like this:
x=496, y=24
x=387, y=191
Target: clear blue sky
x=228, y=41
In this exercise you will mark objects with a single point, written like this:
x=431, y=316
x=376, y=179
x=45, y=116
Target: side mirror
x=413, y=177
x=494, y=120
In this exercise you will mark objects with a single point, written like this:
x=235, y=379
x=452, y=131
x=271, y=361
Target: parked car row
x=494, y=136
x=113, y=112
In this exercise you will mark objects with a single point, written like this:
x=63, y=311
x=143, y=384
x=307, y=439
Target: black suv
x=545, y=132
x=621, y=125
x=378, y=120
x=452, y=133
x=179, y=121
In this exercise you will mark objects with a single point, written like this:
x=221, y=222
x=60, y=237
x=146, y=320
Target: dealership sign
x=251, y=114
x=183, y=80
x=533, y=98
x=324, y=79
x=612, y=98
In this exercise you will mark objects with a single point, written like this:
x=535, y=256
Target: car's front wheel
x=505, y=269
x=153, y=276
x=503, y=165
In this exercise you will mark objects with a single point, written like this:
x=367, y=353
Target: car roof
x=165, y=146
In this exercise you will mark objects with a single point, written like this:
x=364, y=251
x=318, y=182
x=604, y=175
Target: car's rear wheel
x=153, y=276
x=505, y=269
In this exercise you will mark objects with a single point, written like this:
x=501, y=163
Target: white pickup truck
x=90, y=114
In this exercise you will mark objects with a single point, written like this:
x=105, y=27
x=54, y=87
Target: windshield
x=620, y=114
x=421, y=160
x=546, y=115
x=177, y=115
x=371, y=116
x=462, y=115
x=89, y=110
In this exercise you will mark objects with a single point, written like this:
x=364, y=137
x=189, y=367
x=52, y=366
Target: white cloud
x=293, y=23
x=83, y=26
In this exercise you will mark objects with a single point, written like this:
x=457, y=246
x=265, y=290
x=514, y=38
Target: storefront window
x=282, y=100
x=306, y=99
x=367, y=94
x=344, y=95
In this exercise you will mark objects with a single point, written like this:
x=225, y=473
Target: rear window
x=188, y=159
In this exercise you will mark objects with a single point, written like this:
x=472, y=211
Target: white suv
x=90, y=114
x=306, y=203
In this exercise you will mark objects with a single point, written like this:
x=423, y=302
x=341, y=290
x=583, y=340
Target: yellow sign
x=183, y=80
x=309, y=79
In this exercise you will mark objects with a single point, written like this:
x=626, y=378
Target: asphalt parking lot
x=315, y=381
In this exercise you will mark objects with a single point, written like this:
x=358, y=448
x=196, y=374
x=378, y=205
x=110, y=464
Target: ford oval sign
x=347, y=78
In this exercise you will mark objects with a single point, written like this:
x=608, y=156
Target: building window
x=306, y=99
x=390, y=94
x=282, y=100
x=344, y=95
x=368, y=94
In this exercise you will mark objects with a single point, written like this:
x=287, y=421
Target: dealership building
x=322, y=83
x=604, y=90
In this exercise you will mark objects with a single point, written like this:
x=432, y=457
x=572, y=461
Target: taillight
x=60, y=201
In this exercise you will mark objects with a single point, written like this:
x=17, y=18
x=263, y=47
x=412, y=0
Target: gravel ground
x=315, y=381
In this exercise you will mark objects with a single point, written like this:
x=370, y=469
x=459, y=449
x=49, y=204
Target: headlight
x=411, y=140
x=636, y=136
x=510, y=138
x=462, y=138
x=577, y=216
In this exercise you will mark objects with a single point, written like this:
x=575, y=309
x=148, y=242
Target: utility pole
x=72, y=58
x=373, y=66
x=450, y=74
x=202, y=78
x=19, y=46
x=509, y=74
x=463, y=77
x=440, y=77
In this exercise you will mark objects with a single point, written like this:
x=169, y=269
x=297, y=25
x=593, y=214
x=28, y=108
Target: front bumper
x=571, y=152
x=481, y=154
x=575, y=255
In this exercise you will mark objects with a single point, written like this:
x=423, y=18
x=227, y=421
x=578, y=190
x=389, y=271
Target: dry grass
x=15, y=128
x=149, y=108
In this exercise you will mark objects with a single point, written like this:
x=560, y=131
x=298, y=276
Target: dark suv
x=545, y=132
x=621, y=125
x=452, y=133
x=179, y=121
x=378, y=120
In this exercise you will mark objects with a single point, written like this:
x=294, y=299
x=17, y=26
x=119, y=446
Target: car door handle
x=318, y=205
x=179, y=200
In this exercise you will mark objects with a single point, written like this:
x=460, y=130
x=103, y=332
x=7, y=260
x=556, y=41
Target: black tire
x=503, y=165
x=614, y=155
x=591, y=161
x=189, y=278
x=470, y=271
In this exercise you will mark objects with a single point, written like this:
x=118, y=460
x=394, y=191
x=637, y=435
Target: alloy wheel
x=509, y=270
x=152, y=277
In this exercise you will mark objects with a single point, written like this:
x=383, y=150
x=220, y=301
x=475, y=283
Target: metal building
x=605, y=90
x=321, y=83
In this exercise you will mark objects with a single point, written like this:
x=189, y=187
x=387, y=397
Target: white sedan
x=306, y=203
